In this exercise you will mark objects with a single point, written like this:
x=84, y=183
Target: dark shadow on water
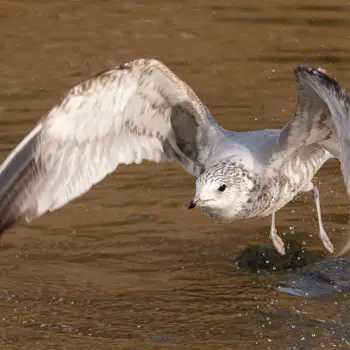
x=305, y=273
x=257, y=258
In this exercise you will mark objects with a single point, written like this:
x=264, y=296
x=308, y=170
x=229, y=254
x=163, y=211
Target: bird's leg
x=323, y=235
x=276, y=239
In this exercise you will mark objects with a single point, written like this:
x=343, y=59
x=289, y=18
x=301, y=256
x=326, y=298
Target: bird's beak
x=191, y=205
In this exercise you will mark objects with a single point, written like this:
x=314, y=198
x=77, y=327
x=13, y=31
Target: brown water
x=127, y=266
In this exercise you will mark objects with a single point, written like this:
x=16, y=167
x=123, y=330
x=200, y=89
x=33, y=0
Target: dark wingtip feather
x=318, y=76
x=16, y=173
x=11, y=199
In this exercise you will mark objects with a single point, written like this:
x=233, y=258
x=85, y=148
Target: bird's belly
x=275, y=198
x=283, y=201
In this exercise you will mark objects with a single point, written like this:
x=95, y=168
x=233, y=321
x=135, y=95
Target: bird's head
x=224, y=191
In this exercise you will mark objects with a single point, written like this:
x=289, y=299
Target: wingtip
x=309, y=70
x=316, y=76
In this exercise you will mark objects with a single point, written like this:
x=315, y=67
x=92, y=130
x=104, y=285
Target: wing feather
x=312, y=123
x=137, y=111
x=338, y=103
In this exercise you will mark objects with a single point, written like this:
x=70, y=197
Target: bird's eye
x=222, y=188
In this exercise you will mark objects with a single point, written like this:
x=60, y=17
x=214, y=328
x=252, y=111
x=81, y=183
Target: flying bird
x=142, y=111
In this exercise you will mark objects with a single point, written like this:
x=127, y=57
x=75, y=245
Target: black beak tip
x=191, y=205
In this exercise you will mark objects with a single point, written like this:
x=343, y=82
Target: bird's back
x=252, y=148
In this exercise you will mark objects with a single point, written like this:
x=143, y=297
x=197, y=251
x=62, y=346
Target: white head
x=224, y=192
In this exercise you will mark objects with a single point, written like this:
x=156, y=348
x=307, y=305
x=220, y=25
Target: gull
x=142, y=111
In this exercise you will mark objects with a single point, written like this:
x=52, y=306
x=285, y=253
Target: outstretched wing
x=338, y=103
x=136, y=111
x=312, y=122
x=323, y=117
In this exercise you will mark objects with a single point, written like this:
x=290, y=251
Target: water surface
x=127, y=266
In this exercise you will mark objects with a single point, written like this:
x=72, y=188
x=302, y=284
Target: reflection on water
x=321, y=278
x=126, y=266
